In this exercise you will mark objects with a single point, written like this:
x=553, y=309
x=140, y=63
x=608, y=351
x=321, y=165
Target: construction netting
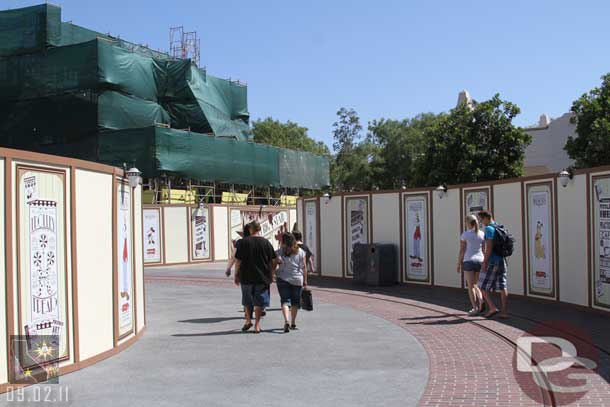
x=157, y=151
x=173, y=92
x=67, y=89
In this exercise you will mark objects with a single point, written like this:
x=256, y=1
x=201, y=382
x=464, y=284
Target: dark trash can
x=375, y=264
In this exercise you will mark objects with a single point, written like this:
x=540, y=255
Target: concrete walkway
x=193, y=353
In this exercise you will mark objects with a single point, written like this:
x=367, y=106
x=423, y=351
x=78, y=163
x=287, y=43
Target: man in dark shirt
x=308, y=254
x=254, y=272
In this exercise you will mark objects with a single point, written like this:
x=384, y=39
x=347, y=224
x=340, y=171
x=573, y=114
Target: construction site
x=70, y=91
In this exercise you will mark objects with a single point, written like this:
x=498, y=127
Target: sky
x=385, y=59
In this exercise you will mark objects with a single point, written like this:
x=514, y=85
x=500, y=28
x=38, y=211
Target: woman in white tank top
x=470, y=260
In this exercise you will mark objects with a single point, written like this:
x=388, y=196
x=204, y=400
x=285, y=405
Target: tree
x=287, y=135
x=351, y=169
x=346, y=131
x=591, y=146
x=474, y=142
x=400, y=146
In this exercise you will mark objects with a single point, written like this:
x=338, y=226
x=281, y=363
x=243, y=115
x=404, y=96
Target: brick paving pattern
x=469, y=365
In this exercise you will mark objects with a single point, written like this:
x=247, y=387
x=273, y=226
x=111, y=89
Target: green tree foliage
x=287, y=135
x=591, y=146
x=351, y=169
x=346, y=130
x=472, y=143
x=400, y=145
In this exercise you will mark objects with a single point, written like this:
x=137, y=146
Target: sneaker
x=473, y=312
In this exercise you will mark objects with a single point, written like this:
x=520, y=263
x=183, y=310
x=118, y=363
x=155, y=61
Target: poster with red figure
x=124, y=252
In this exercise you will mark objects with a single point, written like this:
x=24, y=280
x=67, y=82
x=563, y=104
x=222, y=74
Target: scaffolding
x=184, y=45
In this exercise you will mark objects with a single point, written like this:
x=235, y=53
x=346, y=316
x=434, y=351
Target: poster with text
x=273, y=223
x=416, y=233
x=601, y=243
x=540, y=239
x=311, y=228
x=124, y=252
x=200, y=233
x=152, y=236
x=357, y=223
x=42, y=263
x=475, y=201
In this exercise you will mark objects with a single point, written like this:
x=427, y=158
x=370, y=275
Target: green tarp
x=71, y=91
x=29, y=29
x=59, y=70
x=188, y=97
x=118, y=111
x=192, y=155
x=298, y=168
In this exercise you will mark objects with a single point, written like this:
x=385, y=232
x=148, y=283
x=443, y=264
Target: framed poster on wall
x=540, y=224
x=357, y=226
x=200, y=233
x=310, y=234
x=151, y=229
x=416, y=238
x=475, y=200
x=273, y=223
x=124, y=261
x=41, y=256
x=601, y=241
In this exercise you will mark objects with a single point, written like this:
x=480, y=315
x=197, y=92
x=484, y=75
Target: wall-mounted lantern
x=565, y=176
x=134, y=177
x=441, y=190
x=327, y=197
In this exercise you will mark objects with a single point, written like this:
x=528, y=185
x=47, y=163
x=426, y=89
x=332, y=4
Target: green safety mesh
x=118, y=111
x=160, y=150
x=71, y=91
x=29, y=29
x=58, y=71
x=298, y=168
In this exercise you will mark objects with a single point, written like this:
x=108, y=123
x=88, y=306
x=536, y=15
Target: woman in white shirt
x=291, y=278
x=470, y=260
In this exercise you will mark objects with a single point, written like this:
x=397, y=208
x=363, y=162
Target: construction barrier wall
x=562, y=247
x=188, y=234
x=71, y=260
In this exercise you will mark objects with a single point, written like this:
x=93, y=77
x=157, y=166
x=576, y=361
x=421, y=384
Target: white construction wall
x=558, y=255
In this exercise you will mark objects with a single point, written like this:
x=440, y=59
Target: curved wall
x=71, y=259
x=562, y=235
x=176, y=234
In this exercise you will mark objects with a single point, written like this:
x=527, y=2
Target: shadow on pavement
x=210, y=320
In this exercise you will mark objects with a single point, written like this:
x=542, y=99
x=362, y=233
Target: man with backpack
x=498, y=246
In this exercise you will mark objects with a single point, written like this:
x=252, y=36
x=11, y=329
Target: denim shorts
x=289, y=294
x=256, y=295
x=472, y=266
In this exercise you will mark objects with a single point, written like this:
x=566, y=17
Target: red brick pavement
x=469, y=366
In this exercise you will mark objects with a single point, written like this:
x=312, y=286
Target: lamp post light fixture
x=327, y=197
x=441, y=190
x=134, y=177
x=565, y=176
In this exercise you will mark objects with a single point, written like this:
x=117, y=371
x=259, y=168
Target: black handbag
x=306, y=300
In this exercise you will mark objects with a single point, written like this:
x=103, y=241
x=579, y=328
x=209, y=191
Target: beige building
x=545, y=154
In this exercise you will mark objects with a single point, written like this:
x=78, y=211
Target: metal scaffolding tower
x=184, y=45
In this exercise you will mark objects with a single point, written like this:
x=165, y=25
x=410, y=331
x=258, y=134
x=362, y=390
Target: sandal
x=491, y=314
x=246, y=326
x=286, y=327
x=293, y=326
